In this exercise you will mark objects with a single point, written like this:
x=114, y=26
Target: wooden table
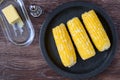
x=27, y=63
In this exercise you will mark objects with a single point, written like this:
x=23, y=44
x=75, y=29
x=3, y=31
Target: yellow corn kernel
x=96, y=30
x=80, y=38
x=64, y=45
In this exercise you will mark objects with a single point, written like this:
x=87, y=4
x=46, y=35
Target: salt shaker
x=35, y=10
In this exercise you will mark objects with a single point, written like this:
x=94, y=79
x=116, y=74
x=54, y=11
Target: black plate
x=83, y=69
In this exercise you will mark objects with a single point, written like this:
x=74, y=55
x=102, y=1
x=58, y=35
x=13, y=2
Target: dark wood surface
x=27, y=63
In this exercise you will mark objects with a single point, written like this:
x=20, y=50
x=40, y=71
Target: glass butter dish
x=15, y=22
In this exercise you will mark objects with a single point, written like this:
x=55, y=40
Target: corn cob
x=80, y=38
x=96, y=30
x=64, y=45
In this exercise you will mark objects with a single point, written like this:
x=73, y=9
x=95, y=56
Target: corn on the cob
x=80, y=38
x=96, y=30
x=64, y=45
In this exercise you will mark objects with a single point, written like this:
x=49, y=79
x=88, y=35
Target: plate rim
x=57, y=10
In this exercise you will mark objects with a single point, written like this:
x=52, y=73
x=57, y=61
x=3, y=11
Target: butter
x=12, y=15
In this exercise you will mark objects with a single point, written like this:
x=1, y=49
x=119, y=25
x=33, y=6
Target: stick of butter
x=13, y=17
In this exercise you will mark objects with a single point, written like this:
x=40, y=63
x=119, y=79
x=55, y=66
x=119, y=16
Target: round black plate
x=83, y=69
